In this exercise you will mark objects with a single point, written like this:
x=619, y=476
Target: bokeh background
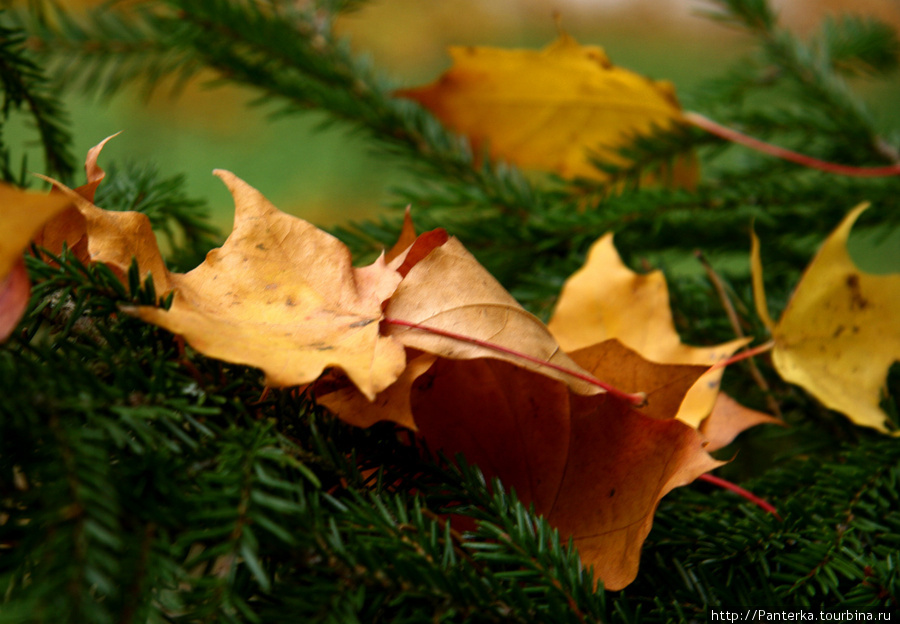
x=331, y=176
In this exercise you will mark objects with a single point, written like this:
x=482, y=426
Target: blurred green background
x=331, y=176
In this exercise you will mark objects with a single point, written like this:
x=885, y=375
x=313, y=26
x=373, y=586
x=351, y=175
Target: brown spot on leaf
x=857, y=300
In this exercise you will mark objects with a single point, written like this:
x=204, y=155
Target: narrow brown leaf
x=593, y=465
x=449, y=290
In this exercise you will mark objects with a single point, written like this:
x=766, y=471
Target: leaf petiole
x=637, y=399
x=750, y=496
x=743, y=355
x=734, y=136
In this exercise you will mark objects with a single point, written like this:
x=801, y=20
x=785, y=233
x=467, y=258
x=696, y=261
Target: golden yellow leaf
x=605, y=299
x=22, y=214
x=840, y=332
x=548, y=109
x=283, y=296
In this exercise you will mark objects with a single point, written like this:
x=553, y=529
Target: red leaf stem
x=743, y=355
x=750, y=496
x=637, y=399
x=734, y=136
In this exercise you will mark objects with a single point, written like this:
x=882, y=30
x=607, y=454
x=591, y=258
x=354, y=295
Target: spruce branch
x=25, y=86
x=810, y=70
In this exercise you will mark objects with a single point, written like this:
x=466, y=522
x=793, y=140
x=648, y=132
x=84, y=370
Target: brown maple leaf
x=594, y=466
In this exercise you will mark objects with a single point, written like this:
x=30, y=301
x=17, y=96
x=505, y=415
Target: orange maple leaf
x=283, y=296
x=391, y=404
x=549, y=109
x=69, y=226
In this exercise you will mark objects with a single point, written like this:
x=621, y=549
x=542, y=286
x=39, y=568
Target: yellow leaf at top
x=840, y=332
x=283, y=296
x=549, y=109
x=605, y=299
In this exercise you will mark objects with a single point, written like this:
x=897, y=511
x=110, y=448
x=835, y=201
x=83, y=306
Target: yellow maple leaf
x=840, y=332
x=605, y=299
x=549, y=109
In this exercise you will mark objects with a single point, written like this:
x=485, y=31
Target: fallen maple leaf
x=282, y=295
x=664, y=385
x=594, y=466
x=549, y=109
x=23, y=214
x=605, y=299
x=840, y=332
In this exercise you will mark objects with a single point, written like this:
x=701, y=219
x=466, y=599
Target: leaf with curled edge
x=449, y=292
x=69, y=226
